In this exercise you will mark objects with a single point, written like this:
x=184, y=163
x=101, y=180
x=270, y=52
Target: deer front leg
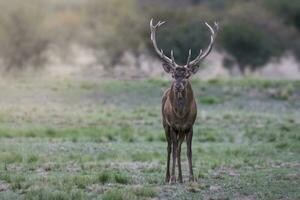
x=189, y=153
x=174, y=155
x=167, y=179
x=180, y=140
x=168, y=137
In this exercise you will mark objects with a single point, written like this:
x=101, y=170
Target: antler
x=161, y=54
x=201, y=56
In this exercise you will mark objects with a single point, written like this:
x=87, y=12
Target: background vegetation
x=252, y=32
x=80, y=135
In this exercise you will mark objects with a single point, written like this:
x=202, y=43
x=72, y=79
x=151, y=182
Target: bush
x=249, y=33
x=66, y=26
x=247, y=44
x=245, y=35
x=115, y=26
x=289, y=13
x=23, y=40
x=289, y=10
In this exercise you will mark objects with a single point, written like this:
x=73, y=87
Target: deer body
x=179, y=109
x=179, y=114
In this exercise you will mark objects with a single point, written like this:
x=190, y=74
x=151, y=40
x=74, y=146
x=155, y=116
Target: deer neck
x=181, y=101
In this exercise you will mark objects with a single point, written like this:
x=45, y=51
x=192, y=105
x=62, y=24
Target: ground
x=88, y=139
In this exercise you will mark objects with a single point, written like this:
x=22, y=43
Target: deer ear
x=193, y=69
x=167, y=68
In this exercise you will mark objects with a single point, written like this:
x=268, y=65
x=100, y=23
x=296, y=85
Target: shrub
x=115, y=27
x=249, y=44
x=249, y=33
x=289, y=10
x=253, y=38
x=289, y=13
x=23, y=40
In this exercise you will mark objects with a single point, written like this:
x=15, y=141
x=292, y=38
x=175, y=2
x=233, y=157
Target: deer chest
x=184, y=123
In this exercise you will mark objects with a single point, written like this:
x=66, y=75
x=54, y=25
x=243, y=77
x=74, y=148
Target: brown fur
x=179, y=116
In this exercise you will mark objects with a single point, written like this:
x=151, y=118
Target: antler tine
x=160, y=52
x=172, y=57
x=189, y=57
x=159, y=23
x=212, y=40
x=201, y=55
x=216, y=25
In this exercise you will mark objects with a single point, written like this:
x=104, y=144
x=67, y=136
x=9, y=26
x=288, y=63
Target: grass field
x=65, y=139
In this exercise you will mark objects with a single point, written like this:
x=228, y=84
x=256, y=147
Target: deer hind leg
x=180, y=140
x=168, y=137
x=189, y=153
x=174, y=155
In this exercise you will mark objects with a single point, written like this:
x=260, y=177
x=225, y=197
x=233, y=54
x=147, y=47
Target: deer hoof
x=172, y=180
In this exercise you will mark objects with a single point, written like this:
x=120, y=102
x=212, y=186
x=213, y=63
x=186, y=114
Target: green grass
x=104, y=140
x=144, y=192
x=118, y=194
x=10, y=157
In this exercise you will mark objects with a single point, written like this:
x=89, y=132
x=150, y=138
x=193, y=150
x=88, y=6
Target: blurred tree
x=66, y=27
x=168, y=3
x=289, y=13
x=250, y=33
x=289, y=10
x=116, y=27
x=247, y=44
x=23, y=39
x=214, y=4
x=245, y=35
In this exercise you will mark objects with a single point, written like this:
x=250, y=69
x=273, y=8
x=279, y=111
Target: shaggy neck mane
x=181, y=101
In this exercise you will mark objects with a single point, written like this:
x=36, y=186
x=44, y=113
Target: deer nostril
x=179, y=87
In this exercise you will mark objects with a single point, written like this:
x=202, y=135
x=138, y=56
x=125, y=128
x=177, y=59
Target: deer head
x=179, y=73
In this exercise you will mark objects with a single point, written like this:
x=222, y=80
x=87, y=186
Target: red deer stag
x=179, y=109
